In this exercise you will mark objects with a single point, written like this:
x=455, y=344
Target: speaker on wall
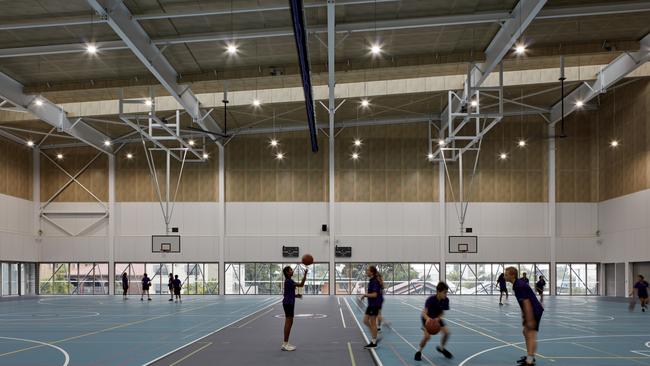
x=323, y=228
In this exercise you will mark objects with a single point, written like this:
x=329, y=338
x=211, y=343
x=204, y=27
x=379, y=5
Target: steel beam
x=52, y=114
x=382, y=25
x=523, y=14
x=607, y=77
x=129, y=30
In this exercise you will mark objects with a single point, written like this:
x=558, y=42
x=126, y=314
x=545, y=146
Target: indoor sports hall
x=324, y=182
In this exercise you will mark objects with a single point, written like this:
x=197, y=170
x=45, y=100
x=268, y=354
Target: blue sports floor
x=574, y=331
x=105, y=330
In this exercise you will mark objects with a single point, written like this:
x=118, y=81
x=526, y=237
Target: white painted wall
x=16, y=235
x=256, y=231
x=624, y=224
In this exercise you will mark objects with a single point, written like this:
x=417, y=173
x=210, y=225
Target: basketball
x=307, y=259
x=433, y=326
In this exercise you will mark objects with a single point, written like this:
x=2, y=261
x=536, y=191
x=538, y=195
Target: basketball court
x=201, y=182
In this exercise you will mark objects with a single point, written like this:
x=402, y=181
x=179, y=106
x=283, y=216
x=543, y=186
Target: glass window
x=484, y=283
x=5, y=279
x=577, y=279
x=399, y=278
x=592, y=279
x=563, y=282
x=453, y=277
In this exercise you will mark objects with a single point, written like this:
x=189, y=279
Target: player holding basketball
x=641, y=289
x=503, y=289
x=434, y=307
x=288, y=304
x=375, y=301
x=531, y=313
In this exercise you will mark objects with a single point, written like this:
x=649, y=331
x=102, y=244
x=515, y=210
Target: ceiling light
x=365, y=103
x=191, y=142
x=503, y=156
x=205, y=155
x=614, y=143
x=39, y=102
x=441, y=142
x=129, y=156
x=430, y=156
x=231, y=49
x=59, y=156
x=148, y=102
x=355, y=156
x=520, y=49
x=279, y=156
x=521, y=143
x=375, y=49
x=256, y=103
x=273, y=142
x=91, y=48
x=357, y=142
x=107, y=143
x=580, y=103
x=474, y=103
x=30, y=143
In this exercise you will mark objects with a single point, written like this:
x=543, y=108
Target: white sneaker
x=288, y=347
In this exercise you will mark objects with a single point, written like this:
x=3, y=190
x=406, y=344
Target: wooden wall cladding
x=392, y=165
x=522, y=177
x=623, y=115
x=253, y=174
x=15, y=170
x=133, y=182
x=576, y=159
x=95, y=178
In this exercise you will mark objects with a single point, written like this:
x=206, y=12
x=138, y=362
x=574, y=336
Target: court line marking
x=544, y=340
x=211, y=333
x=342, y=318
x=479, y=332
x=255, y=318
x=615, y=356
x=6, y=316
x=191, y=354
x=45, y=344
x=123, y=325
x=373, y=353
x=354, y=363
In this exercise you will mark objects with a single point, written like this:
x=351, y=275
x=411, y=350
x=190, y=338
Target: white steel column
x=36, y=195
x=222, y=220
x=628, y=277
x=111, y=224
x=331, y=17
x=442, y=211
x=552, y=221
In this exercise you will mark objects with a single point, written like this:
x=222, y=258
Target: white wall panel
x=17, y=230
x=500, y=219
x=624, y=223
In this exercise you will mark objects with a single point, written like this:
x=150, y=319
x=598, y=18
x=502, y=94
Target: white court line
x=342, y=318
x=373, y=352
x=209, y=334
x=65, y=354
x=255, y=318
x=542, y=340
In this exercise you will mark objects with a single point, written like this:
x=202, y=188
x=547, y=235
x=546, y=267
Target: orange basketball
x=307, y=259
x=432, y=325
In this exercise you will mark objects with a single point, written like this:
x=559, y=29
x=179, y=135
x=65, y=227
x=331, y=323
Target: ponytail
x=377, y=275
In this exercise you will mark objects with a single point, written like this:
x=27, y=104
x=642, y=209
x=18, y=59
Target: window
x=577, y=279
x=73, y=278
x=399, y=278
x=196, y=278
x=254, y=278
x=480, y=278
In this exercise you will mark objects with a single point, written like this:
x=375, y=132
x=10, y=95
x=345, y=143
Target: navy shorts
x=177, y=291
x=288, y=310
x=373, y=310
x=505, y=289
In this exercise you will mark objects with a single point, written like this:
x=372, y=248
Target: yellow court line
x=481, y=333
x=191, y=354
x=123, y=325
x=615, y=356
x=354, y=363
